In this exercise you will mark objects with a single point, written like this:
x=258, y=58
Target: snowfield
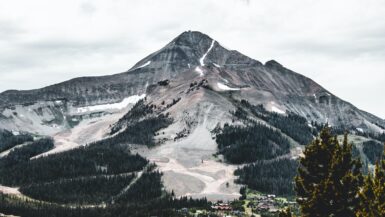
x=225, y=87
x=114, y=106
x=144, y=65
x=277, y=110
x=199, y=70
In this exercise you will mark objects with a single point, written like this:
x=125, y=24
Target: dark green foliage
x=140, y=125
x=8, y=140
x=24, y=153
x=142, y=132
x=248, y=144
x=271, y=177
x=285, y=213
x=377, y=136
x=91, y=190
x=147, y=187
x=373, y=150
x=238, y=205
x=163, y=207
x=372, y=193
x=164, y=82
x=138, y=111
x=328, y=179
x=291, y=124
x=83, y=161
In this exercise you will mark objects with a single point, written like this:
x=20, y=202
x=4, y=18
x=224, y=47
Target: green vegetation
x=88, y=190
x=142, y=132
x=328, y=179
x=8, y=140
x=147, y=187
x=83, y=161
x=373, y=150
x=23, y=154
x=139, y=125
x=273, y=177
x=291, y=124
x=251, y=143
x=372, y=195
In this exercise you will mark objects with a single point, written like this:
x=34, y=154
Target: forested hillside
x=9, y=140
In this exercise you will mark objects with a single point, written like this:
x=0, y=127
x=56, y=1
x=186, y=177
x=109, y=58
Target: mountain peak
x=191, y=38
x=273, y=64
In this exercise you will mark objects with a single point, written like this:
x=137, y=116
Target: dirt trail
x=190, y=169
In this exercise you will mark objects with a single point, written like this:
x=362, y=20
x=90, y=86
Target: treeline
x=8, y=140
x=94, y=159
x=136, y=113
x=139, y=125
x=291, y=124
x=246, y=144
x=24, y=153
x=88, y=190
x=165, y=206
x=272, y=177
x=147, y=187
x=142, y=132
x=376, y=136
x=373, y=150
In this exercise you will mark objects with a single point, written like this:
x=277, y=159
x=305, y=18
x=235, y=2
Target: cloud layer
x=339, y=44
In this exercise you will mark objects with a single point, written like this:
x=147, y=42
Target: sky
x=339, y=44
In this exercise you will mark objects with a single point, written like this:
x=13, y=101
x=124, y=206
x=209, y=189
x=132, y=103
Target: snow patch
x=144, y=65
x=277, y=110
x=120, y=105
x=360, y=129
x=216, y=65
x=199, y=70
x=15, y=133
x=225, y=87
x=202, y=59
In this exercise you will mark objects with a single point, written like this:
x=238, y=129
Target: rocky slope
x=197, y=82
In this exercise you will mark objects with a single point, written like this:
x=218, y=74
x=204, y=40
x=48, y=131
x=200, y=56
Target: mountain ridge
x=178, y=107
x=186, y=53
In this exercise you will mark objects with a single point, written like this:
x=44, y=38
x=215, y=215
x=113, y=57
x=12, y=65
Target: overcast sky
x=339, y=44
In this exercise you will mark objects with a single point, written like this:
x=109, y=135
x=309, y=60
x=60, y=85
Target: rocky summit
x=189, y=91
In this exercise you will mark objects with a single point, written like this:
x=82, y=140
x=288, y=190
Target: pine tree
x=328, y=178
x=372, y=195
x=285, y=213
x=344, y=181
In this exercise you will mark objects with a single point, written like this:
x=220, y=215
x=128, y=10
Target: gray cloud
x=340, y=44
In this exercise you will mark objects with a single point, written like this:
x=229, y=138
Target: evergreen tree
x=372, y=195
x=328, y=178
x=344, y=181
x=285, y=213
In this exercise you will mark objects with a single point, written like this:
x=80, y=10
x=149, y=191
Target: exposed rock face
x=190, y=57
x=195, y=80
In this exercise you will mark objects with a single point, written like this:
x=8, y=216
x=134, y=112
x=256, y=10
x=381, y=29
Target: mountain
x=184, y=98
